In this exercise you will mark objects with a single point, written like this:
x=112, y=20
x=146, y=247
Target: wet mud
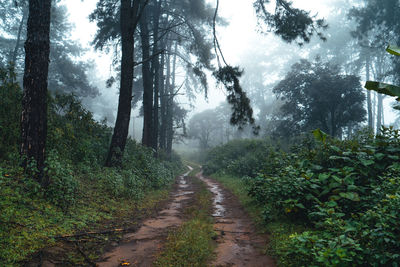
x=140, y=247
x=238, y=244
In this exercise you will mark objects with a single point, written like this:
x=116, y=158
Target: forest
x=199, y=133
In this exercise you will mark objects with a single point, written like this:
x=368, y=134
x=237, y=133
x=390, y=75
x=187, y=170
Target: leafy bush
x=79, y=186
x=347, y=192
x=75, y=134
x=63, y=185
x=10, y=112
x=242, y=157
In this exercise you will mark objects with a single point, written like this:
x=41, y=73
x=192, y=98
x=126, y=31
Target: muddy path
x=140, y=247
x=238, y=244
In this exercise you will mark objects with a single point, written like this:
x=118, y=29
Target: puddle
x=219, y=209
x=237, y=243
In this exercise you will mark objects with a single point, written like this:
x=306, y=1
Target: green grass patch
x=29, y=222
x=191, y=244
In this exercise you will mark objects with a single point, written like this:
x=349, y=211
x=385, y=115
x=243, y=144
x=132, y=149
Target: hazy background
x=262, y=55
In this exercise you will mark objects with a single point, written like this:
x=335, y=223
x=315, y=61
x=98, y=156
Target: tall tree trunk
x=379, y=113
x=170, y=103
x=374, y=104
x=156, y=75
x=17, y=44
x=163, y=98
x=121, y=128
x=333, y=124
x=380, y=76
x=34, y=101
x=147, y=83
x=369, y=102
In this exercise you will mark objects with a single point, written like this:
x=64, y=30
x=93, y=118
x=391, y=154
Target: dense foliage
x=240, y=157
x=317, y=95
x=79, y=186
x=344, y=193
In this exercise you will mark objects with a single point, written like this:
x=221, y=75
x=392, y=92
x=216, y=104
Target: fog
x=264, y=57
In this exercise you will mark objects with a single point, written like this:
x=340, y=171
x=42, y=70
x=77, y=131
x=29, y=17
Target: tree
x=34, y=100
x=164, y=26
x=291, y=24
x=67, y=73
x=377, y=25
x=130, y=13
x=201, y=127
x=317, y=95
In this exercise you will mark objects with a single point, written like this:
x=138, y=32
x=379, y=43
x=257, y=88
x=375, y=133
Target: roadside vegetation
x=82, y=194
x=326, y=202
x=192, y=243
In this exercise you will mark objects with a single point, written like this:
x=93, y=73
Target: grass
x=191, y=244
x=30, y=223
x=279, y=232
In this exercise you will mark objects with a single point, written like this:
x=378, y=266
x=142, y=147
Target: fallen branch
x=87, y=259
x=118, y=230
x=231, y=232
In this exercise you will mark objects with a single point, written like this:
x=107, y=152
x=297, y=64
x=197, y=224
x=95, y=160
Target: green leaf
x=335, y=148
x=352, y=187
x=331, y=204
x=383, y=88
x=320, y=135
x=323, y=176
x=350, y=195
x=367, y=162
x=393, y=49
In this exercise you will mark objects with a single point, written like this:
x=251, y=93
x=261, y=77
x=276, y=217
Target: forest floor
x=199, y=210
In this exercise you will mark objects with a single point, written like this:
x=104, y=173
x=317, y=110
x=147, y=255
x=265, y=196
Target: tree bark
x=379, y=113
x=147, y=83
x=163, y=102
x=34, y=101
x=170, y=103
x=369, y=102
x=155, y=72
x=121, y=128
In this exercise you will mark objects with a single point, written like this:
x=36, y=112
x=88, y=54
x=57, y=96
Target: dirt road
x=237, y=241
x=139, y=248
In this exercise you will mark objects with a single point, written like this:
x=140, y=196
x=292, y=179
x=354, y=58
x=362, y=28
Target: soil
x=140, y=247
x=237, y=243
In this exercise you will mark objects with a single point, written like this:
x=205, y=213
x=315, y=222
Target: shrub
x=63, y=185
x=10, y=112
x=347, y=192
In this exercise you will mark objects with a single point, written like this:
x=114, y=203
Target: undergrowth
x=327, y=202
x=82, y=194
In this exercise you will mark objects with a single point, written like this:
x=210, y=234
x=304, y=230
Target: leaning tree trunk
x=34, y=101
x=121, y=128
